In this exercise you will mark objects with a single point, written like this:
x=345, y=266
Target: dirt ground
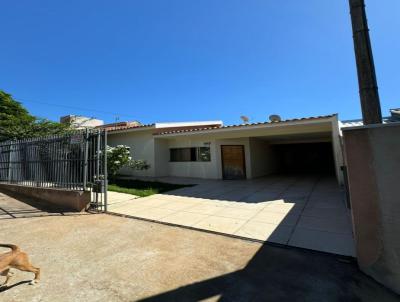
x=100, y=257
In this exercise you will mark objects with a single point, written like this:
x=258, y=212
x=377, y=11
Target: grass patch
x=142, y=188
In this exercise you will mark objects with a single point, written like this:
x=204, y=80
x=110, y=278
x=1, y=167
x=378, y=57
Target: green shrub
x=119, y=157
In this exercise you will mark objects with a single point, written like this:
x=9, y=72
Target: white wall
x=337, y=150
x=263, y=160
x=156, y=153
x=142, y=148
x=193, y=169
x=211, y=169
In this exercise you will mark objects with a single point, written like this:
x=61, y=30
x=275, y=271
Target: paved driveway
x=97, y=257
x=307, y=212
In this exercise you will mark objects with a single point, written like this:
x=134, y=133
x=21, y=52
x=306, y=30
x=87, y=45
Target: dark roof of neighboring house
x=246, y=125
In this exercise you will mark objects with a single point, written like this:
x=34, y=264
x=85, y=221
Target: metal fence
x=73, y=161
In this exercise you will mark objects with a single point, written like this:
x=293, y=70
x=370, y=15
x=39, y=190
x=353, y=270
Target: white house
x=210, y=150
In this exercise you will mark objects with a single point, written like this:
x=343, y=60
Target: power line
x=76, y=108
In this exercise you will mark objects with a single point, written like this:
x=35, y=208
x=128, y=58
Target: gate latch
x=99, y=186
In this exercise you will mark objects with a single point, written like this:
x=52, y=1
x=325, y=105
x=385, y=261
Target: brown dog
x=16, y=259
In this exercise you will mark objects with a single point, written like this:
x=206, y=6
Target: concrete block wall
x=63, y=199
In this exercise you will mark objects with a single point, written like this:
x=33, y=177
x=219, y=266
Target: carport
x=305, y=158
x=304, y=155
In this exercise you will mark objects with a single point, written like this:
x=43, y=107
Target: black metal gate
x=74, y=161
x=95, y=169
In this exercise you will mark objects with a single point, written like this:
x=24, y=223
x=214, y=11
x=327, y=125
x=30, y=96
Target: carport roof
x=215, y=128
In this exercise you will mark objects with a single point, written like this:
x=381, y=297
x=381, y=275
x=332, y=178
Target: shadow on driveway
x=278, y=273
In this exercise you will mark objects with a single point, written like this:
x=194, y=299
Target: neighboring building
x=80, y=122
x=246, y=151
x=120, y=125
x=394, y=117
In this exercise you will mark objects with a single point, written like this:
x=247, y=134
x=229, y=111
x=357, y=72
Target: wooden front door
x=233, y=162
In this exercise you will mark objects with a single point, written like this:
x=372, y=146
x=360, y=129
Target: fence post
x=85, y=159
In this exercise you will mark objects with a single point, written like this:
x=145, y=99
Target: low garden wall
x=66, y=199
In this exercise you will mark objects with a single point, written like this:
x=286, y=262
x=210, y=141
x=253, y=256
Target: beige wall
x=373, y=164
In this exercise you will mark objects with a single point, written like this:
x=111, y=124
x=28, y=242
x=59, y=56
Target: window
x=183, y=154
x=203, y=154
x=190, y=154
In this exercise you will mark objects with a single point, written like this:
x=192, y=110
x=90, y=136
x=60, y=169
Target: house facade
x=246, y=151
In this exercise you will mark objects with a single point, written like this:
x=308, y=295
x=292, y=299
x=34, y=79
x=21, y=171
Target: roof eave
x=131, y=129
x=305, y=121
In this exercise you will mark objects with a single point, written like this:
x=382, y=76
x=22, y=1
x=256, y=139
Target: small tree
x=17, y=123
x=119, y=157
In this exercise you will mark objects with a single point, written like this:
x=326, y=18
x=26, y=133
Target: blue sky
x=193, y=60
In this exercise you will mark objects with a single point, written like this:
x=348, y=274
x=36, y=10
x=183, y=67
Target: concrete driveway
x=307, y=212
x=102, y=257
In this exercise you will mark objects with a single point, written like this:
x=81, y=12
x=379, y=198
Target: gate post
x=85, y=160
x=105, y=171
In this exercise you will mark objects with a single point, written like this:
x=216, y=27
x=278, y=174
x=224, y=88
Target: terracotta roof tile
x=113, y=128
x=246, y=125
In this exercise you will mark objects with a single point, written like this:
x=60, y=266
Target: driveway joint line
x=278, y=196
x=302, y=210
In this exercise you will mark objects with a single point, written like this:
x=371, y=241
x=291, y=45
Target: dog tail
x=13, y=247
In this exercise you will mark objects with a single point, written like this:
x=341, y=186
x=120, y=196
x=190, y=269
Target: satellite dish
x=274, y=118
x=245, y=119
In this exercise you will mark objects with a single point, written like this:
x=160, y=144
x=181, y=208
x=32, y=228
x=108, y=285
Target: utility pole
x=369, y=96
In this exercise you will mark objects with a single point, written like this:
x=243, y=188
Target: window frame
x=194, y=154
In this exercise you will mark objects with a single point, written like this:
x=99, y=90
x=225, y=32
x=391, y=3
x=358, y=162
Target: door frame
x=244, y=160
